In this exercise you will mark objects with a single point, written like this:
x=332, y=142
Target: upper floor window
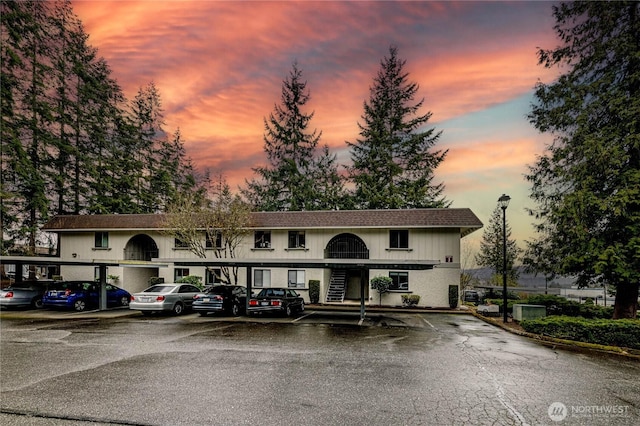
x=399, y=238
x=296, y=239
x=262, y=239
x=400, y=280
x=214, y=241
x=178, y=243
x=101, y=240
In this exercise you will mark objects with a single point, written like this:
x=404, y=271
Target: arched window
x=141, y=247
x=346, y=246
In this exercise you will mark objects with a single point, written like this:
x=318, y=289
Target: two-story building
x=419, y=249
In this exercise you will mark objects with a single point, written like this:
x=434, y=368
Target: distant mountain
x=525, y=279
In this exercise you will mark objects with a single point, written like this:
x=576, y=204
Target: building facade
x=419, y=249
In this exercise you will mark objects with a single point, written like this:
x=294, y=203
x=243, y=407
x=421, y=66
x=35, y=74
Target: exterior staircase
x=337, y=286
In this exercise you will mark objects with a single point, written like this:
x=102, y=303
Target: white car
x=174, y=298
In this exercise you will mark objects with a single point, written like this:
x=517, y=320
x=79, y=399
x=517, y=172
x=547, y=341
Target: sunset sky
x=219, y=67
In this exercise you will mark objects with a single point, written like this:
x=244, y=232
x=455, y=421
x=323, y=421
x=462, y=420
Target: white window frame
x=296, y=278
x=264, y=280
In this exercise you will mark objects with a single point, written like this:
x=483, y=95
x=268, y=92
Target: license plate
x=264, y=303
x=206, y=300
x=53, y=293
x=145, y=299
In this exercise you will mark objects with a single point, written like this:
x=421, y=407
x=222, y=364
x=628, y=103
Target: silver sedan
x=175, y=298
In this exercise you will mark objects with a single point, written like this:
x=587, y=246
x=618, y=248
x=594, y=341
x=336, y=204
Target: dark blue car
x=79, y=295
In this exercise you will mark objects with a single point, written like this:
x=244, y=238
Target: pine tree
x=587, y=183
x=287, y=182
x=393, y=162
x=491, y=254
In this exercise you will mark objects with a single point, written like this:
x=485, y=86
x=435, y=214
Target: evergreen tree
x=587, y=183
x=287, y=182
x=393, y=165
x=491, y=254
x=328, y=183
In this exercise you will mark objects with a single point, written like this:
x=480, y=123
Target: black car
x=230, y=299
x=279, y=300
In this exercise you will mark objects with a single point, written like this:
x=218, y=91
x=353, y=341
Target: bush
x=453, y=296
x=314, y=291
x=191, y=279
x=557, y=305
x=410, y=299
x=624, y=332
x=382, y=284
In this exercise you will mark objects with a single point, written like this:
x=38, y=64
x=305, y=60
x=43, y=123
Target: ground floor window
x=261, y=278
x=400, y=280
x=180, y=273
x=214, y=276
x=296, y=278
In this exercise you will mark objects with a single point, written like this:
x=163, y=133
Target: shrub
x=382, y=284
x=557, y=305
x=314, y=291
x=453, y=296
x=410, y=299
x=191, y=279
x=624, y=333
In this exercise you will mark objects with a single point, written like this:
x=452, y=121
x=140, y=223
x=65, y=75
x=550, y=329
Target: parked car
x=174, y=298
x=23, y=295
x=230, y=299
x=279, y=300
x=79, y=295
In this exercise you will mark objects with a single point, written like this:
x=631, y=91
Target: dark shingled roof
x=409, y=218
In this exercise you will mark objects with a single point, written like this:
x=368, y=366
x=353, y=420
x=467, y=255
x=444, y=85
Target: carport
x=363, y=265
x=20, y=261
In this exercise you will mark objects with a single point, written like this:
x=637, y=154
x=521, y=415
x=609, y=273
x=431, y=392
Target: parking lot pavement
x=314, y=314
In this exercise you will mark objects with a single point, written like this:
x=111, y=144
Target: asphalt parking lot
x=324, y=367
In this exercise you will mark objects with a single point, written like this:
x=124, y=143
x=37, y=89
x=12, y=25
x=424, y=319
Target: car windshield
x=159, y=289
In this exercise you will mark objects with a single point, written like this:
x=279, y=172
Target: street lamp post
x=503, y=201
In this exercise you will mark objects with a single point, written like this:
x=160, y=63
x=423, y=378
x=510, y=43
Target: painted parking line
x=303, y=317
x=430, y=325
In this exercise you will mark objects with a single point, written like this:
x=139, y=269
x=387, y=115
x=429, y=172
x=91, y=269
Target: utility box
x=528, y=312
x=489, y=310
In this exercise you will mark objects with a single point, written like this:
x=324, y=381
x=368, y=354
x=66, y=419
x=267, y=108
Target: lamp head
x=503, y=201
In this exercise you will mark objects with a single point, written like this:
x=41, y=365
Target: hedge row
x=623, y=332
x=557, y=305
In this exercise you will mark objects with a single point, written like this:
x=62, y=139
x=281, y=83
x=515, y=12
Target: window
x=214, y=241
x=180, y=244
x=399, y=239
x=296, y=239
x=101, y=240
x=262, y=239
x=400, y=280
x=180, y=273
x=214, y=276
x=261, y=278
x=296, y=278
x=448, y=259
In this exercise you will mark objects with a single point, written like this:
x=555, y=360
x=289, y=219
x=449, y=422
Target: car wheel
x=79, y=305
x=203, y=314
x=178, y=309
x=289, y=310
x=124, y=301
x=235, y=310
x=37, y=303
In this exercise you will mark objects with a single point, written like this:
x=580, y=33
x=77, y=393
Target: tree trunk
x=626, y=304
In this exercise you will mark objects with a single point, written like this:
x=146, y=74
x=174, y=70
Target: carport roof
x=462, y=218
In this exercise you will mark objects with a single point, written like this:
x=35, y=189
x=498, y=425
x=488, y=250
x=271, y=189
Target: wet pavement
x=321, y=368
